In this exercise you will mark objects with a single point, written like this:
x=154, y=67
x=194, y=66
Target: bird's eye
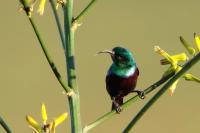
x=119, y=58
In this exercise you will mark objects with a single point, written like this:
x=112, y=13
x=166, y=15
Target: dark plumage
x=118, y=86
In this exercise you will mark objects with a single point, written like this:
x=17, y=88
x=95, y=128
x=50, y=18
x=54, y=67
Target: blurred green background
x=26, y=79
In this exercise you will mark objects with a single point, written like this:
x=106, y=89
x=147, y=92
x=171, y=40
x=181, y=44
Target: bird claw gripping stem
x=116, y=106
x=141, y=94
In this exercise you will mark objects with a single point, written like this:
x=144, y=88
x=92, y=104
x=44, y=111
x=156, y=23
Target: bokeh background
x=26, y=79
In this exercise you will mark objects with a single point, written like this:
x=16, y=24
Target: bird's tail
x=119, y=101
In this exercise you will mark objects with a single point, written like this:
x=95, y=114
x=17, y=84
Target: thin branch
x=50, y=61
x=186, y=67
x=4, y=125
x=127, y=103
x=85, y=11
x=53, y=6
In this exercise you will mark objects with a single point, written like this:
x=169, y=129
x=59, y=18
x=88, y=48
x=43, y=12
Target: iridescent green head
x=121, y=57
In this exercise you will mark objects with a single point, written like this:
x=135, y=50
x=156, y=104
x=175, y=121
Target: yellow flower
x=173, y=60
x=46, y=127
x=34, y=124
x=168, y=59
x=44, y=114
x=41, y=7
x=174, y=67
x=191, y=77
x=173, y=87
x=178, y=57
x=197, y=41
x=60, y=119
x=28, y=6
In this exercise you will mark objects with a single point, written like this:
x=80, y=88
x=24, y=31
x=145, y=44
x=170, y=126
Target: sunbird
x=121, y=78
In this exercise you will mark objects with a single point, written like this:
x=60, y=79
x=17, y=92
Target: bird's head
x=121, y=57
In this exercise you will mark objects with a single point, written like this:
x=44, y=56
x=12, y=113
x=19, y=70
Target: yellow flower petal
x=60, y=119
x=190, y=49
x=53, y=127
x=41, y=7
x=191, y=77
x=178, y=57
x=166, y=56
x=173, y=87
x=197, y=41
x=44, y=114
x=163, y=53
x=33, y=123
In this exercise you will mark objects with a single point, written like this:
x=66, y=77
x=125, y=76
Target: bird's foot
x=141, y=94
x=116, y=106
x=118, y=109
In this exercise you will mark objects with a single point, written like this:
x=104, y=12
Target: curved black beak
x=107, y=51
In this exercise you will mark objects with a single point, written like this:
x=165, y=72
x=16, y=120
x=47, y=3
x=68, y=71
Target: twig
x=52, y=3
x=126, y=104
x=50, y=61
x=4, y=125
x=185, y=68
x=85, y=10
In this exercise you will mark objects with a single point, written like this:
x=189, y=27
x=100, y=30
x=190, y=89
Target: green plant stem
x=4, y=125
x=85, y=11
x=127, y=103
x=53, y=6
x=74, y=100
x=50, y=61
x=186, y=67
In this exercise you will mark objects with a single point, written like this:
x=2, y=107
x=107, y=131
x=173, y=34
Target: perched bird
x=122, y=76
